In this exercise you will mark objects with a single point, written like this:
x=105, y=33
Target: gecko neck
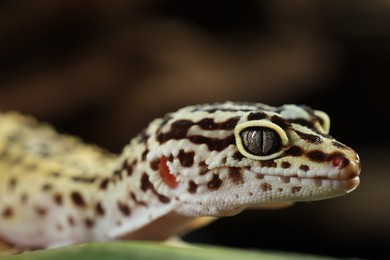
x=168, y=226
x=132, y=201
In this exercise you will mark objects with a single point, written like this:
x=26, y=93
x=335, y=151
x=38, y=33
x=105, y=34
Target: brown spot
x=119, y=223
x=269, y=164
x=4, y=154
x=146, y=185
x=202, y=164
x=99, y=209
x=89, y=223
x=143, y=155
x=257, y=116
x=295, y=189
x=12, y=183
x=57, y=198
x=250, y=194
x=304, y=167
x=117, y=175
x=163, y=198
x=286, y=165
x=77, y=199
x=283, y=123
x=55, y=174
x=124, y=209
x=213, y=144
x=23, y=198
x=285, y=179
x=294, y=151
x=215, y=183
x=280, y=189
x=209, y=124
x=41, y=211
x=47, y=187
x=310, y=138
x=134, y=162
x=186, y=159
x=7, y=212
x=155, y=164
x=317, y=156
x=103, y=185
x=129, y=167
x=238, y=156
x=192, y=187
x=235, y=175
x=84, y=179
x=259, y=176
x=136, y=201
x=178, y=131
x=71, y=221
x=169, y=158
x=265, y=186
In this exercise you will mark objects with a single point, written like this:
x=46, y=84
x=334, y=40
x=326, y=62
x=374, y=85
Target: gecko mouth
x=339, y=184
x=331, y=174
x=342, y=173
x=337, y=176
x=340, y=179
x=235, y=188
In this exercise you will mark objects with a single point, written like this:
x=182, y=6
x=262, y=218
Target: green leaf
x=151, y=250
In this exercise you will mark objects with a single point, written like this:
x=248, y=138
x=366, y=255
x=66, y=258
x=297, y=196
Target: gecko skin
x=204, y=160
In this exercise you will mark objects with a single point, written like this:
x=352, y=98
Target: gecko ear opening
x=168, y=178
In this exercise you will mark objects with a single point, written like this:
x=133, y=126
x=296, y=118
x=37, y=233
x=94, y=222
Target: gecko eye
x=261, y=141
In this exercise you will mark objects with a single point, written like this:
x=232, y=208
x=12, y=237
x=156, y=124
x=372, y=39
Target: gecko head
x=220, y=159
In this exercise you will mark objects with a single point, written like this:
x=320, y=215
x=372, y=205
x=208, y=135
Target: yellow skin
x=201, y=161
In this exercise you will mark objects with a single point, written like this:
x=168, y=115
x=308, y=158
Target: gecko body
x=204, y=160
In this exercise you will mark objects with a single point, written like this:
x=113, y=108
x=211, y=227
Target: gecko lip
x=333, y=174
x=336, y=178
x=342, y=180
x=339, y=170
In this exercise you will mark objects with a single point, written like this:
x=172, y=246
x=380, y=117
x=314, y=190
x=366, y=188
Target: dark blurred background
x=103, y=69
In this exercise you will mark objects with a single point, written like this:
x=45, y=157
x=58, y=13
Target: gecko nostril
x=339, y=160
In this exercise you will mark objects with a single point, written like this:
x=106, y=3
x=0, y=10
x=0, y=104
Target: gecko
x=184, y=169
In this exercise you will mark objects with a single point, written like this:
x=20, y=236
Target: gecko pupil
x=260, y=141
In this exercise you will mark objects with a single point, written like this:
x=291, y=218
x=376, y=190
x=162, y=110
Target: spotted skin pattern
x=204, y=160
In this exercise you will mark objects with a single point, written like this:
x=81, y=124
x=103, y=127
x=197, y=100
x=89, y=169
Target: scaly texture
x=204, y=160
